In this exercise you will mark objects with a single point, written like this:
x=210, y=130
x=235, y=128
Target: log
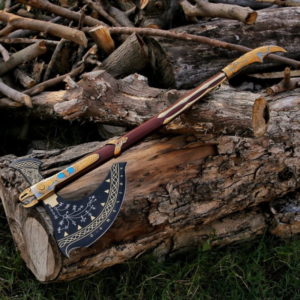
x=130, y=57
x=130, y=102
x=182, y=191
x=172, y=62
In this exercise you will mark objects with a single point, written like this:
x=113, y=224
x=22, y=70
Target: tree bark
x=182, y=191
x=130, y=102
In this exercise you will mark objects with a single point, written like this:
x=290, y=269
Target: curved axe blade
x=29, y=168
x=80, y=223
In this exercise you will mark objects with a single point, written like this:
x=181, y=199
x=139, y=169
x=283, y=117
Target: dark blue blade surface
x=80, y=223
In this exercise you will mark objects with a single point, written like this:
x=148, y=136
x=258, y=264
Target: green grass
x=262, y=269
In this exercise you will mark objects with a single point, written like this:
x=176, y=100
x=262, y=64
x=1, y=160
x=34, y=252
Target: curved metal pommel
x=256, y=55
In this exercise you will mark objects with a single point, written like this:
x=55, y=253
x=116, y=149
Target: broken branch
x=103, y=39
x=205, y=9
x=24, y=79
x=54, y=58
x=16, y=22
x=285, y=85
x=22, y=56
x=61, y=11
x=51, y=82
x=15, y=95
x=4, y=53
x=280, y=2
x=102, y=12
x=26, y=41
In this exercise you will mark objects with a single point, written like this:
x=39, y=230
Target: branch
x=22, y=56
x=54, y=58
x=197, y=39
x=280, y=3
x=286, y=84
x=4, y=53
x=24, y=79
x=15, y=95
x=102, y=12
x=16, y=22
x=51, y=82
x=205, y=9
x=61, y=11
x=27, y=41
x=7, y=103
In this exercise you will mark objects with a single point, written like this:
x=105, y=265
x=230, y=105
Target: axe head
x=29, y=168
x=80, y=223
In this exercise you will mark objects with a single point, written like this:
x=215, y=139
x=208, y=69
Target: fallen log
x=130, y=102
x=182, y=191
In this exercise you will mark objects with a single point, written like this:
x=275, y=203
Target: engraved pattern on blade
x=80, y=223
x=112, y=198
x=45, y=186
x=29, y=168
x=201, y=90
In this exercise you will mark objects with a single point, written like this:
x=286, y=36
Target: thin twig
x=102, y=13
x=286, y=84
x=27, y=41
x=280, y=2
x=51, y=82
x=7, y=5
x=61, y=11
x=53, y=58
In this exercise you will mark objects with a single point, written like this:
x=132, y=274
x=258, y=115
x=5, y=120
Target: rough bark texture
x=130, y=102
x=173, y=62
x=181, y=191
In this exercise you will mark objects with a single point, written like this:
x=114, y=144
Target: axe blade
x=29, y=168
x=80, y=223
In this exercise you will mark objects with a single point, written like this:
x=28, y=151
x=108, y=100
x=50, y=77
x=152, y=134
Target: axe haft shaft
x=46, y=187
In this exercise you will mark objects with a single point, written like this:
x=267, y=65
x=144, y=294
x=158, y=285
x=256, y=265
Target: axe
x=80, y=223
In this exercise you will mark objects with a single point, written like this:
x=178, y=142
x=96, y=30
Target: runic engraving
x=30, y=169
x=113, y=194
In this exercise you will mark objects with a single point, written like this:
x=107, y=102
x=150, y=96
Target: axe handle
x=45, y=188
x=108, y=152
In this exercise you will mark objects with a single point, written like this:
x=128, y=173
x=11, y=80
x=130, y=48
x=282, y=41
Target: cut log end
x=41, y=258
x=260, y=117
x=251, y=18
x=103, y=39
